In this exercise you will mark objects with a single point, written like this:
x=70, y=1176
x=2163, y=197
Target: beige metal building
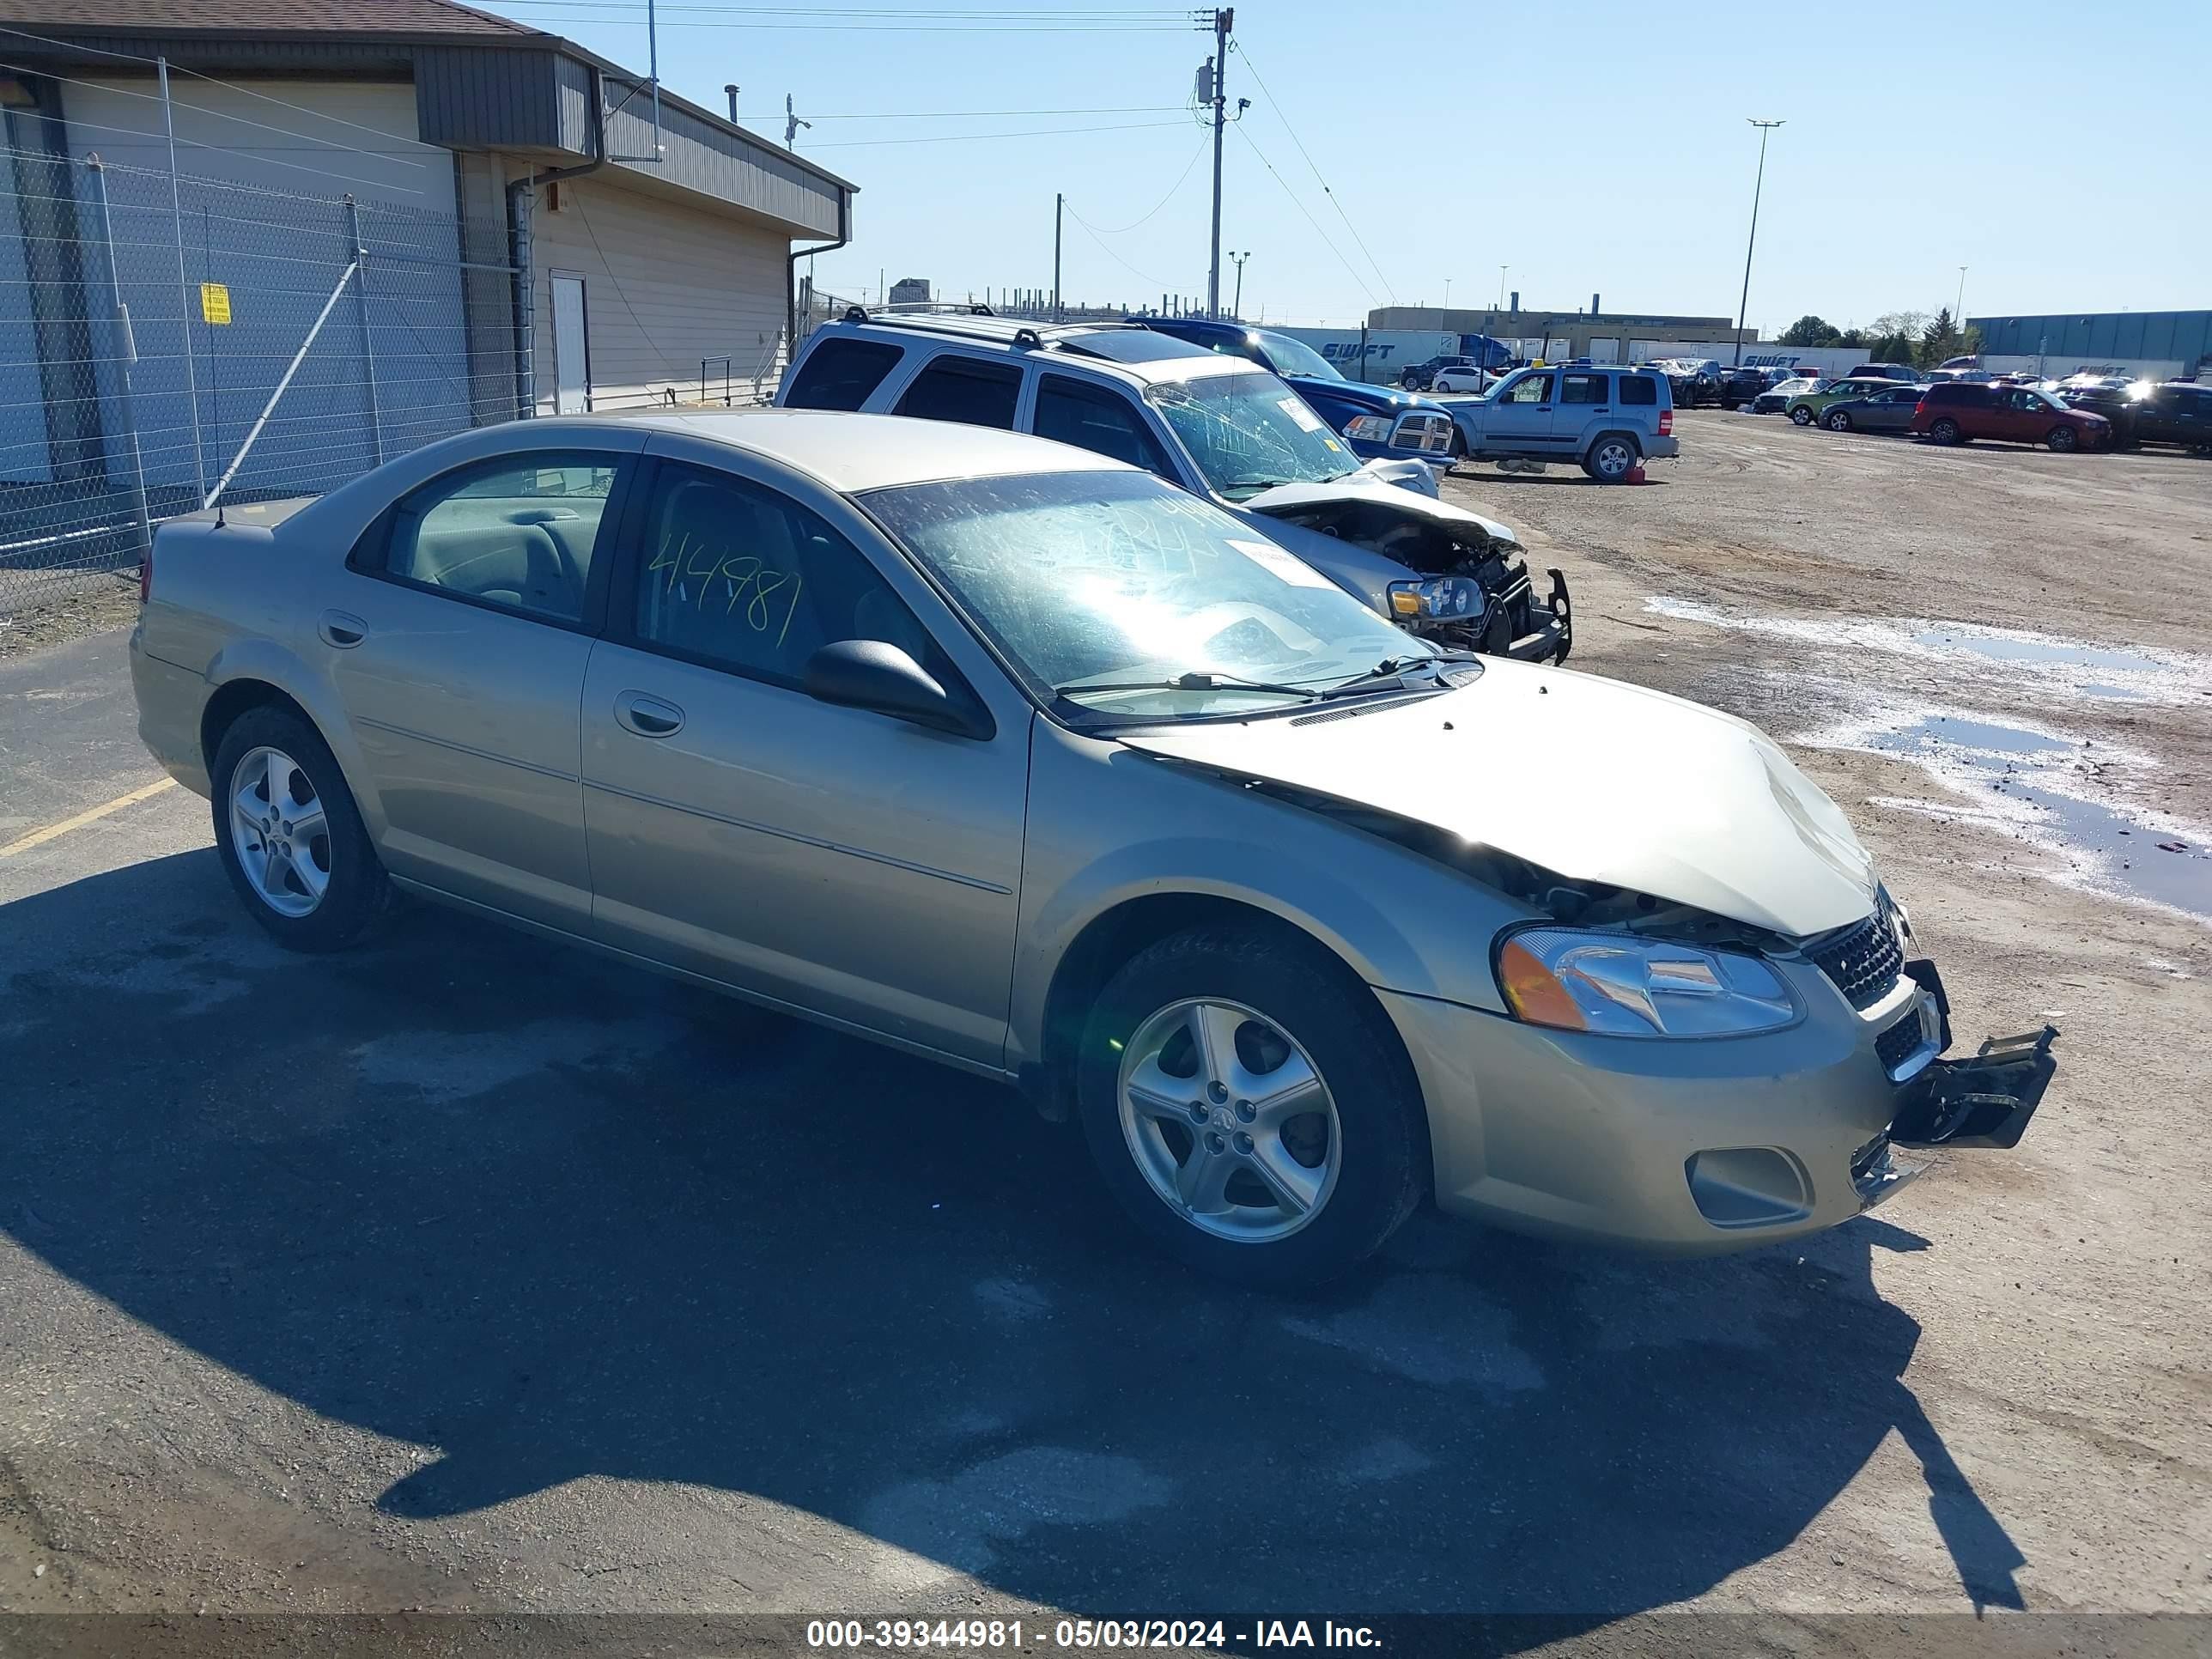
x=1607, y=334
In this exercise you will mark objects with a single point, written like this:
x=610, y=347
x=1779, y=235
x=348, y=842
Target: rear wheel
x=1802, y=416
x=1612, y=457
x=1249, y=1108
x=290, y=838
x=1945, y=431
x=2064, y=439
x=1838, y=421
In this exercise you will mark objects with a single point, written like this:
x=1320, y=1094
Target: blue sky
x=2057, y=151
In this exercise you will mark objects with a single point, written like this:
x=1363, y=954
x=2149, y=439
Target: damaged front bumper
x=1516, y=623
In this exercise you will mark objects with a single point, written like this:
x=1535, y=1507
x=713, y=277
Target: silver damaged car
x=1022, y=759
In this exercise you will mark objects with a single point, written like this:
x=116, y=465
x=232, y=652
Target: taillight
x=1666, y=422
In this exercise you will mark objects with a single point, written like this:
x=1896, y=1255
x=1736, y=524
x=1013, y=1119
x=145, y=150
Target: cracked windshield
x=1250, y=432
x=1124, y=594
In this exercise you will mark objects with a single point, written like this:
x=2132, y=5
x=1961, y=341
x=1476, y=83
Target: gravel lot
x=458, y=1274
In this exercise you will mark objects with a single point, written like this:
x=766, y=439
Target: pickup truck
x=1606, y=419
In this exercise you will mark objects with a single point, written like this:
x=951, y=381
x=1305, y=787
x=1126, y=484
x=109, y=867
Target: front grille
x=1430, y=433
x=1895, y=1046
x=1864, y=962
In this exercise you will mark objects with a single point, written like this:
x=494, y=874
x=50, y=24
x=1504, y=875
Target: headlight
x=1621, y=986
x=1440, y=596
x=1368, y=428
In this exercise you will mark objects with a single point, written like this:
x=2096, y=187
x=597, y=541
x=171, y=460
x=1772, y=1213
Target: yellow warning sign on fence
x=215, y=302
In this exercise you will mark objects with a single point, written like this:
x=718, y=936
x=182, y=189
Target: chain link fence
x=168, y=341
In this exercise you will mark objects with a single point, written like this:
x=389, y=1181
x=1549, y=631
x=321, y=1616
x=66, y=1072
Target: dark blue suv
x=1379, y=423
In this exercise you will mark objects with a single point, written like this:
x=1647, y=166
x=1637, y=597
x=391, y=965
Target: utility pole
x=792, y=125
x=1958, y=308
x=730, y=87
x=1059, y=202
x=1237, y=306
x=1764, y=127
x=1224, y=18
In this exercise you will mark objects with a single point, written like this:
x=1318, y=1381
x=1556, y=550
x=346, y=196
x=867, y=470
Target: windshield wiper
x=1196, y=680
x=1396, y=668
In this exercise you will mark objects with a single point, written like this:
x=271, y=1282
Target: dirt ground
x=464, y=1274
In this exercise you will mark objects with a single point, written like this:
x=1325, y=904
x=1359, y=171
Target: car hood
x=1640, y=790
x=1380, y=399
x=1371, y=484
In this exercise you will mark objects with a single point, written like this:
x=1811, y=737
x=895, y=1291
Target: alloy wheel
x=1614, y=458
x=279, y=832
x=1229, y=1121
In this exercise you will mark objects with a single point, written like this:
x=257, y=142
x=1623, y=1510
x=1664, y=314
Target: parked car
x=1806, y=407
x=1222, y=428
x=2176, y=412
x=1606, y=418
x=1888, y=411
x=1963, y=411
x=1694, y=382
x=1776, y=397
x=1466, y=379
x=1956, y=363
x=1014, y=757
x=1885, y=371
x=1377, y=422
x=1981, y=375
x=1422, y=376
x=1740, y=385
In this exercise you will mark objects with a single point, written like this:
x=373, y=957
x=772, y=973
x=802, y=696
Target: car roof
x=853, y=453
x=1145, y=354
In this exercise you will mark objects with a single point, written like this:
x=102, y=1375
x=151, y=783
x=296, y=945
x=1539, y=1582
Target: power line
x=1309, y=219
x=987, y=114
x=1283, y=115
x=1124, y=229
x=972, y=138
x=1147, y=276
x=593, y=11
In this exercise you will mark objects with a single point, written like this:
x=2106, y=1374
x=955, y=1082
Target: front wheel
x=2063, y=439
x=1802, y=416
x=1249, y=1107
x=289, y=836
x=1611, y=458
x=1945, y=431
x=1838, y=421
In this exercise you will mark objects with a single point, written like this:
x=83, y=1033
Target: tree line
x=1895, y=336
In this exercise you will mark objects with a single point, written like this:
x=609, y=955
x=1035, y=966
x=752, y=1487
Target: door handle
x=341, y=629
x=648, y=717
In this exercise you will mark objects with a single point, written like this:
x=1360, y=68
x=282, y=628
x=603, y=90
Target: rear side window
x=841, y=374
x=1070, y=411
x=1638, y=389
x=964, y=389
x=517, y=533
x=1581, y=389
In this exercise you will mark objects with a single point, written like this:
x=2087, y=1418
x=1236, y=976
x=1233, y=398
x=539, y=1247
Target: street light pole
x=1764, y=127
x=1237, y=306
x=1959, y=308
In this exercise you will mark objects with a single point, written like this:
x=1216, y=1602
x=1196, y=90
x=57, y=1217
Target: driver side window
x=1536, y=389
x=517, y=533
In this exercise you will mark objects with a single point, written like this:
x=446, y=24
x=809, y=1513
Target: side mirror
x=874, y=675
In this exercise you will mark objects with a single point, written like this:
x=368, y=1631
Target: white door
x=572, y=366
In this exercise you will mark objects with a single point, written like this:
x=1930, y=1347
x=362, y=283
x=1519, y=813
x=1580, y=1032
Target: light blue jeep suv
x=1606, y=418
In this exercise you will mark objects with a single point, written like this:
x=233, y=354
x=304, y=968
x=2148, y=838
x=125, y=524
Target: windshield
x=1297, y=357
x=1250, y=433
x=1103, y=586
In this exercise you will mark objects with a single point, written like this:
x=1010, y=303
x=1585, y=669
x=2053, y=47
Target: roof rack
x=973, y=320
x=911, y=307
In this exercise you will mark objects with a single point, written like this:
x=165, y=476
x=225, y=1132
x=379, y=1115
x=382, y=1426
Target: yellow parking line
x=41, y=837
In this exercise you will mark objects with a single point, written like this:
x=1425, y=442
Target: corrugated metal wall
x=2180, y=336
x=665, y=286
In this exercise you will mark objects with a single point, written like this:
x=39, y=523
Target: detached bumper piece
x=1547, y=632
x=1985, y=1101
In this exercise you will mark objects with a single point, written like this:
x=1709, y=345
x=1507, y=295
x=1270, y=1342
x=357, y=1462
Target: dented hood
x=1365, y=485
x=1593, y=779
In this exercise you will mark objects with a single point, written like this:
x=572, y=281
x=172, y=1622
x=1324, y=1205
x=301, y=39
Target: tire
x=1837, y=421
x=1945, y=431
x=1612, y=457
x=2063, y=439
x=1409, y=381
x=1800, y=415
x=335, y=886
x=1458, y=444
x=1283, y=1005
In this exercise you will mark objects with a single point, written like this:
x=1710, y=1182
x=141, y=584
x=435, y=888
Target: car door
x=1891, y=411
x=2020, y=417
x=1104, y=419
x=1519, y=419
x=1585, y=407
x=457, y=647
x=959, y=386
x=831, y=859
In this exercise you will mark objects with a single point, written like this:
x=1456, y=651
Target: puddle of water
x=2012, y=648
x=2132, y=858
